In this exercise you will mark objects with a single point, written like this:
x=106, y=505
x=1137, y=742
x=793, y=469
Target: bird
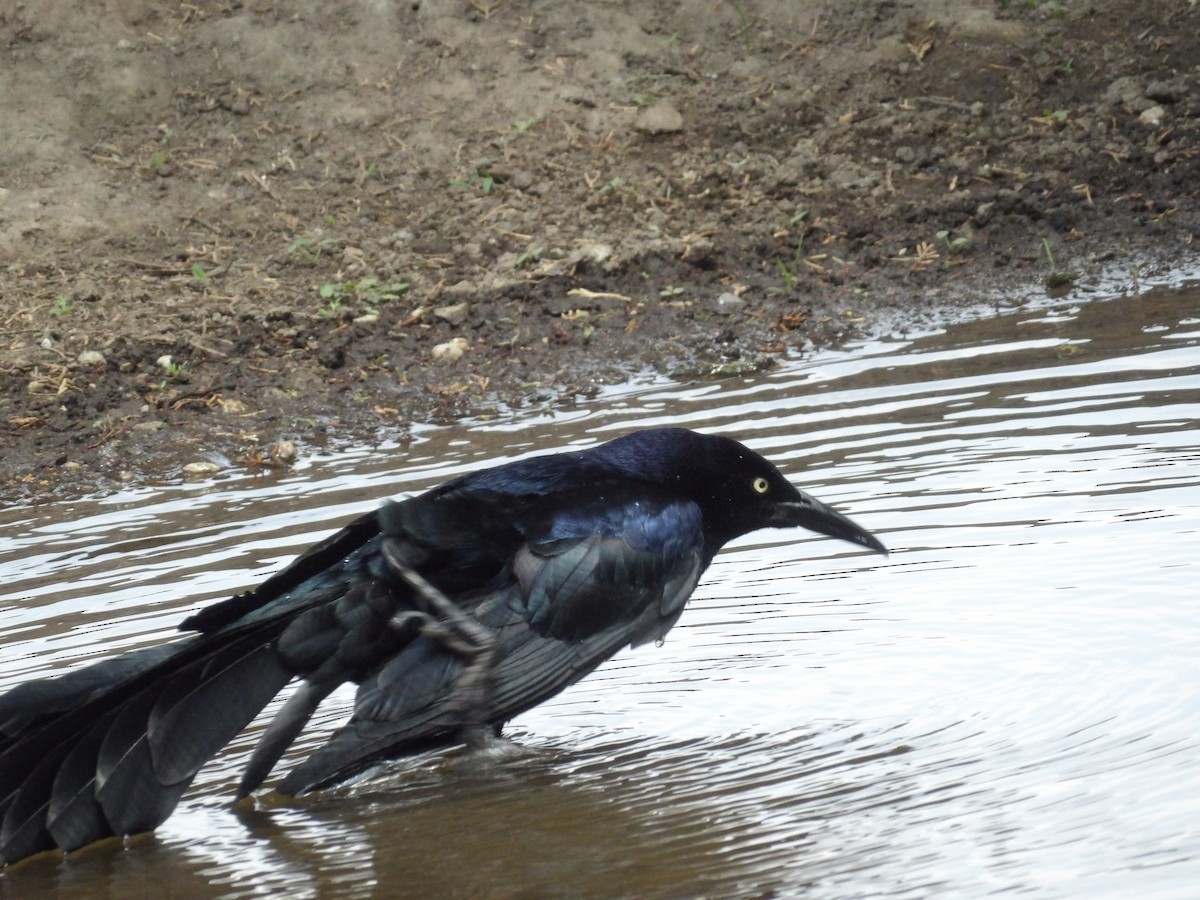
x=453, y=611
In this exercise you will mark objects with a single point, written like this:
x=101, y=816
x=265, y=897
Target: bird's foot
x=455, y=630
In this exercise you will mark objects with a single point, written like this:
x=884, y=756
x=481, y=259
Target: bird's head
x=750, y=493
x=738, y=490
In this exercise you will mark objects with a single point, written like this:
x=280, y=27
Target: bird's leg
x=456, y=631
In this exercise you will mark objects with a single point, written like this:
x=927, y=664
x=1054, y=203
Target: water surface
x=1009, y=702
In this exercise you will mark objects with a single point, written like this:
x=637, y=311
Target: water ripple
x=1006, y=703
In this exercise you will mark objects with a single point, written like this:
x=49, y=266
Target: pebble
x=728, y=303
x=453, y=314
x=85, y=291
x=451, y=351
x=593, y=252
x=1123, y=90
x=283, y=453
x=1153, y=116
x=1165, y=92
x=90, y=358
x=199, y=469
x=661, y=118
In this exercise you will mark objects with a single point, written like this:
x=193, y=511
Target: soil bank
x=231, y=231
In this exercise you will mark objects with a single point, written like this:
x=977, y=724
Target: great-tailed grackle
x=453, y=611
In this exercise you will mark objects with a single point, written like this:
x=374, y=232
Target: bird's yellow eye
x=760, y=485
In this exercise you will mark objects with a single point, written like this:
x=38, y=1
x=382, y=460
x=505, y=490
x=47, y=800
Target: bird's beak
x=809, y=512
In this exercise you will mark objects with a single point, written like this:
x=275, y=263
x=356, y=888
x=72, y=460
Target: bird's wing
x=572, y=602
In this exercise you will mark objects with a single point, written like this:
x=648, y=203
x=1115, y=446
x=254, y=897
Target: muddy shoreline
x=235, y=231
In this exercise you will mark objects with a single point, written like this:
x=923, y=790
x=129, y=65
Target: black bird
x=453, y=611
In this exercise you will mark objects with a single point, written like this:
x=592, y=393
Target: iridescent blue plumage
x=452, y=611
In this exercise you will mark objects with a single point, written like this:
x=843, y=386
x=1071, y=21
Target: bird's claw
x=457, y=631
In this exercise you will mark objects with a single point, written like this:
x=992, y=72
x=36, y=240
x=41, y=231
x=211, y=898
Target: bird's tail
x=109, y=749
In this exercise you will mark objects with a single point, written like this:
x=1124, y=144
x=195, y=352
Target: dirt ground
x=231, y=231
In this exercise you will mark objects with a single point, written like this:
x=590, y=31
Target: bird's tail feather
x=110, y=749
x=284, y=728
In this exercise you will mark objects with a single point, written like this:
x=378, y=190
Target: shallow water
x=1009, y=702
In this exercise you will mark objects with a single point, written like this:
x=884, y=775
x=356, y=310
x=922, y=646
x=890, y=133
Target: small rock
x=1123, y=90
x=661, y=118
x=728, y=303
x=90, y=358
x=283, y=453
x=201, y=469
x=332, y=356
x=1165, y=92
x=232, y=406
x=453, y=314
x=597, y=253
x=85, y=291
x=451, y=351
x=1152, y=117
x=978, y=109
x=164, y=361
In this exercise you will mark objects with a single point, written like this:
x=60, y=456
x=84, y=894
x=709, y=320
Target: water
x=1009, y=702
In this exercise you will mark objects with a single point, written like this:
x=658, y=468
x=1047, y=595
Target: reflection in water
x=1008, y=702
